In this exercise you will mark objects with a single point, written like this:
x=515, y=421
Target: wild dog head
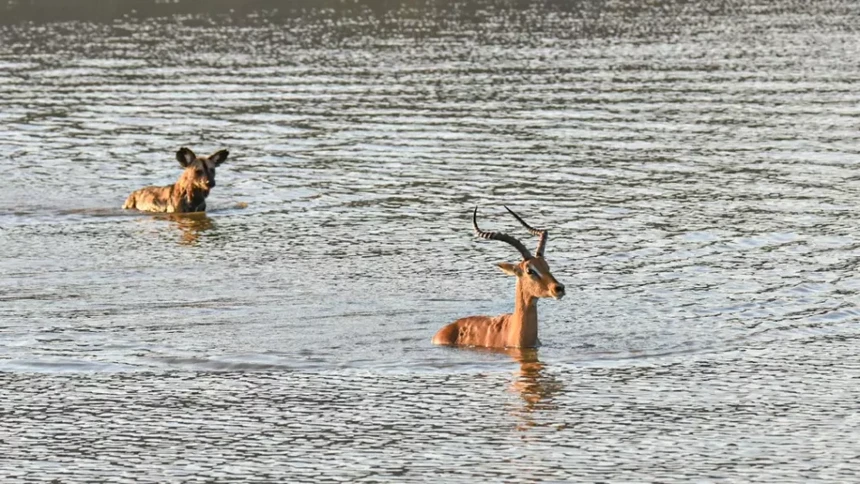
x=199, y=171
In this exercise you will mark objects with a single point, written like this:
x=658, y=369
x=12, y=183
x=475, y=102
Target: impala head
x=533, y=271
x=199, y=170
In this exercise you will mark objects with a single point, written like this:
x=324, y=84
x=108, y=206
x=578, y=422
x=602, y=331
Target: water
x=695, y=164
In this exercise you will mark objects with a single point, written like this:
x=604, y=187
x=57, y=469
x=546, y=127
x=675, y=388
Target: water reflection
x=536, y=386
x=190, y=225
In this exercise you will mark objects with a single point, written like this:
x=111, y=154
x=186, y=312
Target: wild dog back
x=189, y=192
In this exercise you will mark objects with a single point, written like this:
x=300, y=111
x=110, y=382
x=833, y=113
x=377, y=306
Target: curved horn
x=542, y=233
x=500, y=236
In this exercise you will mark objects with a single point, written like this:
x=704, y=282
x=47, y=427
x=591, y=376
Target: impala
x=534, y=280
x=189, y=192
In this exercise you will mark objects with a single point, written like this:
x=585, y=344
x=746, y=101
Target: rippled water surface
x=694, y=162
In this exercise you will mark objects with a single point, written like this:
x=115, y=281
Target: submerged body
x=515, y=330
x=475, y=331
x=188, y=194
x=170, y=199
x=488, y=332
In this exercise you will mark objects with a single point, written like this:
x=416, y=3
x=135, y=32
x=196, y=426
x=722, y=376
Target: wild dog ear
x=510, y=269
x=218, y=157
x=185, y=156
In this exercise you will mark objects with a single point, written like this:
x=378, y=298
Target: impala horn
x=542, y=233
x=500, y=236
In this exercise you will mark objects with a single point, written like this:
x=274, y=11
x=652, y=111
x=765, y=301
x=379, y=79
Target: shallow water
x=694, y=164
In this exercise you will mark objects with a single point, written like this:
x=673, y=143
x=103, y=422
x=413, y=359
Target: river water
x=695, y=163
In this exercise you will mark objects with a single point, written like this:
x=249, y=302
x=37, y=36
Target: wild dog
x=189, y=193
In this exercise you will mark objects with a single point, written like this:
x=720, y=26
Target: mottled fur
x=189, y=192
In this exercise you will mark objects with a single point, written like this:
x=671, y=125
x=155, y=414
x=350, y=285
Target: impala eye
x=534, y=273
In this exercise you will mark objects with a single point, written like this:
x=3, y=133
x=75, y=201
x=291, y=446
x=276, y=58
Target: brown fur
x=515, y=330
x=189, y=192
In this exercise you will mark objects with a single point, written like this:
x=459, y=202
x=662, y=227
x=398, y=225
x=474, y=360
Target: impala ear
x=510, y=269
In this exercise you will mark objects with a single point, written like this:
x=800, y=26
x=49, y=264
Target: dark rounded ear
x=218, y=157
x=185, y=156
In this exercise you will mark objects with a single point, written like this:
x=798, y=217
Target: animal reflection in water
x=537, y=389
x=191, y=225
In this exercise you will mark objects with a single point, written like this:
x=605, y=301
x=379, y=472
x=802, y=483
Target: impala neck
x=523, y=324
